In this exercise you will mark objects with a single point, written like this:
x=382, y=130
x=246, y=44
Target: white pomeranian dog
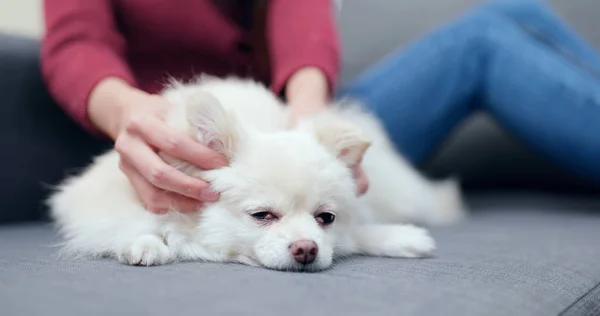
x=288, y=197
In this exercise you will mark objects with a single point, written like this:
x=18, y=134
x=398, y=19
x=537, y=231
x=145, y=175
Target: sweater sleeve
x=302, y=33
x=81, y=47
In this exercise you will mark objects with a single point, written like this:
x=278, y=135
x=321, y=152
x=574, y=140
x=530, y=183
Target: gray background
x=372, y=28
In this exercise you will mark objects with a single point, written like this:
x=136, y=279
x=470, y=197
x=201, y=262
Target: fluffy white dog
x=288, y=198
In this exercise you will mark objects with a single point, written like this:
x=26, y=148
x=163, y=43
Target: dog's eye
x=264, y=216
x=325, y=218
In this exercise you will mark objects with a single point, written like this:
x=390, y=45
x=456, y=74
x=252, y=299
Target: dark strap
x=259, y=39
x=251, y=16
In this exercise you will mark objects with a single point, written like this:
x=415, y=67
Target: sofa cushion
x=40, y=144
x=514, y=259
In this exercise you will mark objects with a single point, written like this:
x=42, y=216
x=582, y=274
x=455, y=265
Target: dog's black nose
x=304, y=251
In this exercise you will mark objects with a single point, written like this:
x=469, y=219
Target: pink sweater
x=147, y=41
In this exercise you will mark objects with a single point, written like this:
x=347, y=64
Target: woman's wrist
x=307, y=90
x=108, y=103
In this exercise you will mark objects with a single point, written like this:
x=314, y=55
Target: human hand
x=297, y=110
x=160, y=186
x=362, y=182
x=135, y=121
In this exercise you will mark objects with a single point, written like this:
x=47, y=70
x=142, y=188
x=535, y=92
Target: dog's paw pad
x=145, y=251
x=450, y=207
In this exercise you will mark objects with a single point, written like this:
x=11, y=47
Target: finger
x=175, y=202
x=142, y=188
x=160, y=174
x=361, y=180
x=183, y=204
x=156, y=200
x=177, y=144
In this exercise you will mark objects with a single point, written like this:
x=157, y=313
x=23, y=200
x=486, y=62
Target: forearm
x=81, y=47
x=304, y=49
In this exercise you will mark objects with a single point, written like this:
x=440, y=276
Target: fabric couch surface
x=525, y=257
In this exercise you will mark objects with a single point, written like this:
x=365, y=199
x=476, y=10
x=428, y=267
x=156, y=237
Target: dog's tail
x=449, y=202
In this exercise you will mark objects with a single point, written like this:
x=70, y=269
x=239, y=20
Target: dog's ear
x=343, y=139
x=211, y=124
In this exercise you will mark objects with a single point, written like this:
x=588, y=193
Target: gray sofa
x=530, y=247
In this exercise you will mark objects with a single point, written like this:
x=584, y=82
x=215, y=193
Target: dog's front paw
x=407, y=241
x=404, y=241
x=146, y=250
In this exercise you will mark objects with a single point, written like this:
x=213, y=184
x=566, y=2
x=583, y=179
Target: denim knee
x=513, y=8
x=480, y=31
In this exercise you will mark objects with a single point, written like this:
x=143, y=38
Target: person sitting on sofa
x=105, y=61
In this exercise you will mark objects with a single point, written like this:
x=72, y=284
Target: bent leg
x=420, y=93
x=485, y=61
x=537, y=19
x=544, y=99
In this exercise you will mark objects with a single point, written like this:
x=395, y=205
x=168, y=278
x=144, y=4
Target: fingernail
x=219, y=162
x=158, y=211
x=195, y=208
x=209, y=195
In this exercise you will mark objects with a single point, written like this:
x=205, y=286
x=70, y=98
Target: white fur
x=294, y=173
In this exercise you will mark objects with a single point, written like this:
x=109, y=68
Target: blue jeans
x=514, y=60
